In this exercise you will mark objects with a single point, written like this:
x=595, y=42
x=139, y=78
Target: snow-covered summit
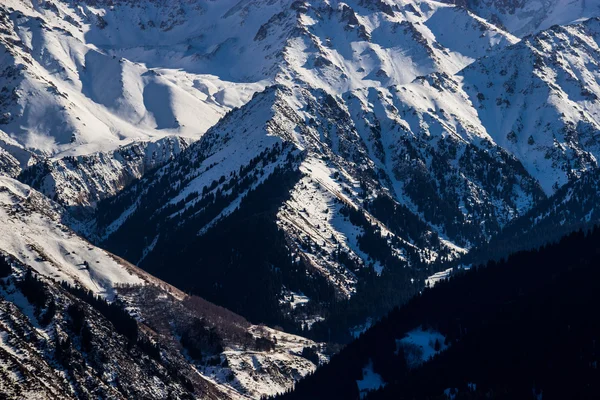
x=80, y=77
x=526, y=17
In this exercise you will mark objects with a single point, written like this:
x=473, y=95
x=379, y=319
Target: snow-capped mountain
x=158, y=68
x=85, y=76
x=351, y=168
x=305, y=164
x=66, y=89
x=40, y=238
x=378, y=108
x=525, y=17
x=535, y=100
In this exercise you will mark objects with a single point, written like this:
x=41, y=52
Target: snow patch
x=370, y=381
x=437, y=277
x=420, y=346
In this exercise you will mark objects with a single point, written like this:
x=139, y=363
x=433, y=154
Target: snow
x=419, y=345
x=258, y=374
x=313, y=212
x=11, y=294
x=450, y=393
x=110, y=86
x=295, y=299
x=34, y=234
x=370, y=381
x=308, y=53
x=530, y=17
x=360, y=329
x=167, y=68
x=438, y=276
x=80, y=182
x=155, y=69
x=159, y=68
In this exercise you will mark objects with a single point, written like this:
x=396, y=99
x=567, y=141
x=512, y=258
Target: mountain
x=66, y=90
x=79, y=182
x=378, y=57
x=305, y=164
x=61, y=342
x=495, y=331
x=55, y=345
x=522, y=18
x=572, y=208
x=174, y=71
x=80, y=77
x=80, y=322
x=399, y=176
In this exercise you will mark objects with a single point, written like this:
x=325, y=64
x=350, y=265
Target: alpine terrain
x=207, y=199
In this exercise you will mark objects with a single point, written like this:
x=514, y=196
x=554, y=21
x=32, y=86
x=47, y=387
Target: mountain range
x=305, y=164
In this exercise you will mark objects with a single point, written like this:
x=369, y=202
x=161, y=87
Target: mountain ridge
x=305, y=164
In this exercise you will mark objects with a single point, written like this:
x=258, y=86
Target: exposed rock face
x=79, y=182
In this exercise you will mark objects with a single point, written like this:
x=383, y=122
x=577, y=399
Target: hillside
x=54, y=284
x=521, y=17
x=382, y=185
x=207, y=167
x=512, y=329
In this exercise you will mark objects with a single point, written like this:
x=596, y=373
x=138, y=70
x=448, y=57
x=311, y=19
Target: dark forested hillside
x=516, y=329
x=240, y=263
x=572, y=207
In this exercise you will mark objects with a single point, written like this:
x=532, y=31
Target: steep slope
x=59, y=341
x=343, y=46
x=263, y=166
x=79, y=182
x=345, y=150
x=337, y=47
x=385, y=144
x=199, y=349
x=552, y=80
x=56, y=345
x=534, y=100
x=572, y=207
x=14, y=156
x=64, y=93
x=538, y=100
x=491, y=332
x=37, y=237
x=440, y=163
x=348, y=138
x=521, y=17
x=83, y=78
x=79, y=77
x=330, y=217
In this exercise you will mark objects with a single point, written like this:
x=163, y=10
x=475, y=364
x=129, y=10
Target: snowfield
x=370, y=381
x=34, y=233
